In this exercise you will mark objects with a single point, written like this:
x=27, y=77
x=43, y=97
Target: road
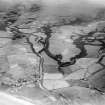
x=7, y=99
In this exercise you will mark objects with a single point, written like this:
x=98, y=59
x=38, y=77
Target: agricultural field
x=52, y=54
